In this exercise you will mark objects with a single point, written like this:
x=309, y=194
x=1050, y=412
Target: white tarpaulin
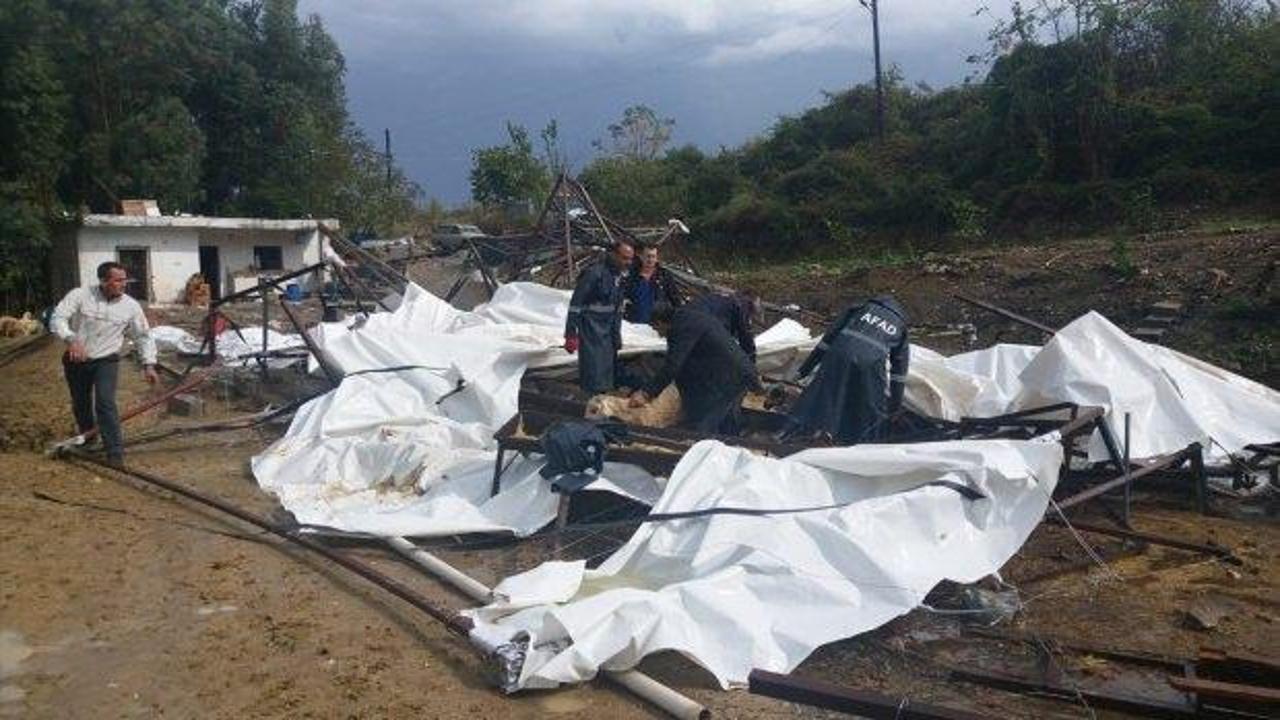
x=406, y=452
x=232, y=346
x=981, y=383
x=734, y=592
x=409, y=453
x=1173, y=400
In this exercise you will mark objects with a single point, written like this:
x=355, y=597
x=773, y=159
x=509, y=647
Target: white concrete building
x=162, y=253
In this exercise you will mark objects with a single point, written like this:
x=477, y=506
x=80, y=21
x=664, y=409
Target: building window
x=268, y=257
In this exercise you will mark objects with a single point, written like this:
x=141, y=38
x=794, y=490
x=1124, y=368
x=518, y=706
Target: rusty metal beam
x=1153, y=539
x=1126, y=703
x=333, y=375
x=1004, y=313
x=1241, y=660
x=264, y=283
x=379, y=267
x=864, y=703
x=1164, y=662
x=1266, y=696
x=452, y=621
x=1160, y=463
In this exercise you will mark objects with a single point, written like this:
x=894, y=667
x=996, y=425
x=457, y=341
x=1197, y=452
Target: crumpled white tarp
x=408, y=453
x=1173, y=400
x=980, y=383
x=402, y=453
x=231, y=347
x=377, y=455
x=734, y=592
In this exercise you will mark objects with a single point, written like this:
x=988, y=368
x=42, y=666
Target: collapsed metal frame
x=570, y=241
x=1078, y=421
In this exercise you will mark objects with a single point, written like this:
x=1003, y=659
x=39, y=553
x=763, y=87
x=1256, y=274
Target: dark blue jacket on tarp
x=575, y=451
x=595, y=318
x=847, y=397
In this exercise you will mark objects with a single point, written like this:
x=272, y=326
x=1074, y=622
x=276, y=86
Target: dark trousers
x=715, y=415
x=93, y=398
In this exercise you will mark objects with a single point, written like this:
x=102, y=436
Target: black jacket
x=734, y=312
x=707, y=366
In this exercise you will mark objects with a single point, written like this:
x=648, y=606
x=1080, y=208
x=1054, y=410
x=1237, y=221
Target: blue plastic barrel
x=293, y=292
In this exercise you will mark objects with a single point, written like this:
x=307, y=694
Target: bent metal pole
x=82, y=438
x=639, y=684
x=452, y=621
x=505, y=658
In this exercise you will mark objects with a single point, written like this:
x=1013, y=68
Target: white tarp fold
x=1173, y=400
x=406, y=452
x=734, y=592
x=232, y=346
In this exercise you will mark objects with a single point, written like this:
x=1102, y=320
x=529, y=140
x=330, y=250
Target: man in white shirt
x=94, y=321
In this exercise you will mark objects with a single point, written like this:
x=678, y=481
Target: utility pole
x=387, y=145
x=874, y=7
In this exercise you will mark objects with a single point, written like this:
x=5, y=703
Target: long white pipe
x=643, y=686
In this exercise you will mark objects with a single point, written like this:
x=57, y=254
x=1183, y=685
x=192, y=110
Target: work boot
x=116, y=461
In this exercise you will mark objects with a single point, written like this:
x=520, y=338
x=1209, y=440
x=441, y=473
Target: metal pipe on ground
x=864, y=703
x=82, y=438
x=1004, y=313
x=639, y=684
x=453, y=622
x=1216, y=550
x=330, y=372
x=18, y=348
x=663, y=697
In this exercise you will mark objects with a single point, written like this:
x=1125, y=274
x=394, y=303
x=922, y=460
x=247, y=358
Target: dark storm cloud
x=445, y=77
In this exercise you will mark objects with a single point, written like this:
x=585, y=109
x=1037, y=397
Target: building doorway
x=137, y=266
x=211, y=269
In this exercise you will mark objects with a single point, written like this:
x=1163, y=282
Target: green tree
x=509, y=173
x=640, y=134
x=34, y=109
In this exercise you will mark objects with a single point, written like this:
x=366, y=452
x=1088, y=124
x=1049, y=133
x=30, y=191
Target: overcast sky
x=445, y=76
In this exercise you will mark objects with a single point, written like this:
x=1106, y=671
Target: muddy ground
x=122, y=602
x=1225, y=281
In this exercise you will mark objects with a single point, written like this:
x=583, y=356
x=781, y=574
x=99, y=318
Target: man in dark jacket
x=847, y=397
x=646, y=285
x=735, y=313
x=710, y=370
x=594, y=326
